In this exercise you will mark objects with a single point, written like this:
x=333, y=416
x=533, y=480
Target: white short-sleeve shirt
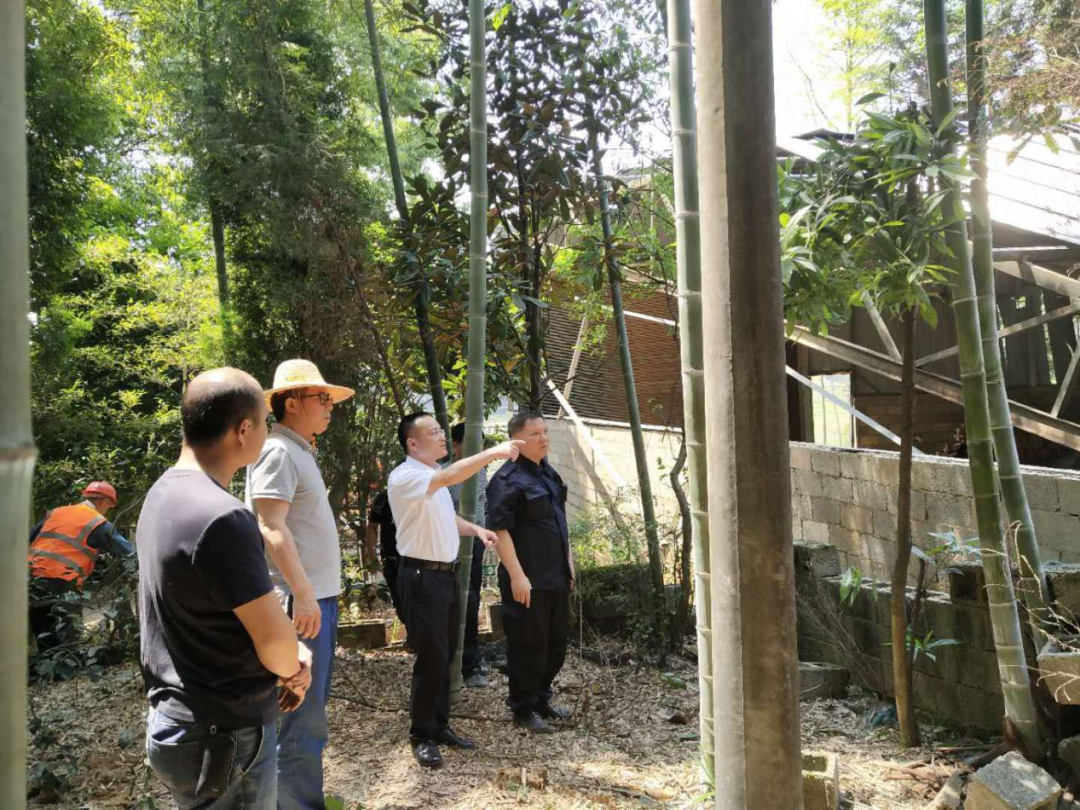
x=426, y=524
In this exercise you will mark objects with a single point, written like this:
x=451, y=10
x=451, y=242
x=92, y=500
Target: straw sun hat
x=293, y=374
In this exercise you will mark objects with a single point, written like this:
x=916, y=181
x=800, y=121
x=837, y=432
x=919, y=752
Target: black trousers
x=390, y=574
x=429, y=600
x=470, y=654
x=536, y=639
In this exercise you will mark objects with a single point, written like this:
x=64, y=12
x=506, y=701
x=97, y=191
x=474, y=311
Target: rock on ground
x=1012, y=783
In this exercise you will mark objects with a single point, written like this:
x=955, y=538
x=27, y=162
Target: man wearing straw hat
x=286, y=490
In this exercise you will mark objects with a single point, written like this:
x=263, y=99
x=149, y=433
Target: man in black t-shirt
x=215, y=641
x=527, y=510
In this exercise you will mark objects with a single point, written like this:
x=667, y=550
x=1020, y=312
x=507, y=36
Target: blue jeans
x=176, y=749
x=303, y=733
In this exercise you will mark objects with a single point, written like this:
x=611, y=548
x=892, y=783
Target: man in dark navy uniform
x=527, y=510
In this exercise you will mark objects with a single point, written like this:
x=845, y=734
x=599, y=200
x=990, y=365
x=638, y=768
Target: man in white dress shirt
x=427, y=537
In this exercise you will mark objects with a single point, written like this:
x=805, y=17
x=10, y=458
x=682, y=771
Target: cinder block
x=821, y=780
x=859, y=518
x=825, y=461
x=1042, y=491
x=949, y=510
x=817, y=559
x=839, y=489
x=857, y=465
x=805, y=482
x=825, y=510
x=1069, y=493
x=885, y=526
x=1010, y=782
x=1059, y=668
x=815, y=532
x=967, y=583
x=871, y=495
x=819, y=680
x=801, y=507
x=949, y=797
x=1064, y=582
x=1056, y=528
x=887, y=469
x=800, y=455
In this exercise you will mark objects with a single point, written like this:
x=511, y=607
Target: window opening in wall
x=833, y=426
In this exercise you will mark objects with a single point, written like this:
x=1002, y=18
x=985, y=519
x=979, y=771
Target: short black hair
x=405, y=426
x=520, y=419
x=457, y=433
x=212, y=410
x=277, y=403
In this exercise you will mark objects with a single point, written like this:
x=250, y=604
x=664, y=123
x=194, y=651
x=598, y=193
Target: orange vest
x=60, y=550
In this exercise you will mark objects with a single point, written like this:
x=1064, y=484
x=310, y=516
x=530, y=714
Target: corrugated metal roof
x=1037, y=190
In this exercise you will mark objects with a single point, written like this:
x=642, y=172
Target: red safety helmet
x=101, y=489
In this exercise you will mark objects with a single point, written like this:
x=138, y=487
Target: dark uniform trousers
x=536, y=639
x=429, y=601
x=470, y=655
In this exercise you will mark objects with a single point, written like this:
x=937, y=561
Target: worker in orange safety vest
x=63, y=551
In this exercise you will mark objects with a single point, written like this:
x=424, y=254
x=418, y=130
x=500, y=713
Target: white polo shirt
x=426, y=524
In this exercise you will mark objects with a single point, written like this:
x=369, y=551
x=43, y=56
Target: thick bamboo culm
x=17, y=454
x=1005, y=617
x=474, y=387
x=688, y=263
x=1032, y=583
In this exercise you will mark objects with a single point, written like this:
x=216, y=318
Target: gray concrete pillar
x=755, y=664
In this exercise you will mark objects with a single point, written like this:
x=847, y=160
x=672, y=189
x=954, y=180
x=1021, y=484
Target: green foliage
x=863, y=219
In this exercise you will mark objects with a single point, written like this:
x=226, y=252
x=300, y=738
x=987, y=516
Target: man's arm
x=271, y=512
x=34, y=532
x=276, y=645
x=466, y=529
x=466, y=468
x=106, y=538
x=519, y=583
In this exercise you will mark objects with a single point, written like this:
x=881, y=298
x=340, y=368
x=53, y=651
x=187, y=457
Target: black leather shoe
x=448, y=737
x=427, y=754
x=534, y=723
x=551, y=712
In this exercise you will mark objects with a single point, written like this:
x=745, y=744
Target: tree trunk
x=688, y=262
x=648, y=508
x=686, y=550
x=1032, y=583
x=423, y=321
x=17, y=453
x=210, y=106
x=901, y=655
x=756, y=701
x=1012, y=664
x=474, y=388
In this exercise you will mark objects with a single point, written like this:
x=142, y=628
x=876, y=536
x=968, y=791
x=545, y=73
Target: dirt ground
x=633, y=741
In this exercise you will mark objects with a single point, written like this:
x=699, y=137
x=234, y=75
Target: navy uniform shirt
x=529, y=501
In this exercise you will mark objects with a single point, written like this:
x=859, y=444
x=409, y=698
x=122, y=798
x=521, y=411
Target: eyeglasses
x=323, y=397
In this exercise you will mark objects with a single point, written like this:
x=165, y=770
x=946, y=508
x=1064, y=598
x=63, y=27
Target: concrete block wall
x=840, y=496
x=959, y=684
x=848, y=498
x=589, y=480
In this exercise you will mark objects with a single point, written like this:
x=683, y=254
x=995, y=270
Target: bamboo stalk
x=1008, y=639
x=688, y=262
x=420, y=305
x=17, y=453
x=1032, y=583
x=648, y=507
x=474, y=390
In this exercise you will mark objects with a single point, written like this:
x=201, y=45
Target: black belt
x=430, y=565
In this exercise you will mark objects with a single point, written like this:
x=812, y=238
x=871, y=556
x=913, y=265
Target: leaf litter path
x=632, y=742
